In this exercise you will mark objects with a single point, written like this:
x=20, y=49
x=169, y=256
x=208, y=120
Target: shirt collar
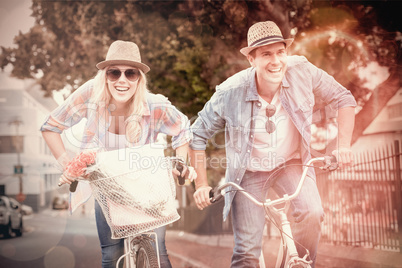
x=285, y=82
x=252, y=94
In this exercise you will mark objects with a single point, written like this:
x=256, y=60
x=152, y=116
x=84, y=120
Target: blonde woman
x=120, y=112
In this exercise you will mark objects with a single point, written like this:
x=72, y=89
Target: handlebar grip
x=179, y=167
x=73, y=186
x=332, y=159
x=331, y=163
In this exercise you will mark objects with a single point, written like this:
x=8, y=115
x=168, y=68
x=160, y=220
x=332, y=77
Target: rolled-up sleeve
x=184, y=134
x=209, y=121
x=172, y=122
x=71, y=111
x=329, y=90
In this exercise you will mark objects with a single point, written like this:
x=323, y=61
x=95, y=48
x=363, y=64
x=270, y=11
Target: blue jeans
x=112, y=249
x=248, y=219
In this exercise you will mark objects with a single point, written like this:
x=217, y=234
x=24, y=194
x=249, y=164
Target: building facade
x=27, y=168
x=385, y=128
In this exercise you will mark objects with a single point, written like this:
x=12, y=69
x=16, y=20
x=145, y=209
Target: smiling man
x=266, y=111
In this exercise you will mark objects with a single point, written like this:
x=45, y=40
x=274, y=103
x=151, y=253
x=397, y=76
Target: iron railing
x=363, y=204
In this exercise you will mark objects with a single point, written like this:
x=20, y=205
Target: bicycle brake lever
x=215, y=195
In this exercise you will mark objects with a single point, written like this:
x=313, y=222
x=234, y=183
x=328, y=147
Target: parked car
x=10, y=216
x=60, y=202
x=26, y=210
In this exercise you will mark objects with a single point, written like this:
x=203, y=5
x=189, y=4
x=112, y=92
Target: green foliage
x=191, y=46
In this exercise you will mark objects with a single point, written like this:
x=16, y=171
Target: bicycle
x=139, y=251
x=132, y=203
x=288, y=256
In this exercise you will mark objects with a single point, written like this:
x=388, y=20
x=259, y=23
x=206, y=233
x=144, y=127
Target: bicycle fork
x=288, y=247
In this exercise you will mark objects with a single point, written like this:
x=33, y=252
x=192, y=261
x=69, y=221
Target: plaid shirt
x=160, y=116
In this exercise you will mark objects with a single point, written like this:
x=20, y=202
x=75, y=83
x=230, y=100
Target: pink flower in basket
x=77, y=166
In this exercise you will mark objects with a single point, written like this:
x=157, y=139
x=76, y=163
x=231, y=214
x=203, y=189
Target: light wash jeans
x=305, y=214
x=112, y=249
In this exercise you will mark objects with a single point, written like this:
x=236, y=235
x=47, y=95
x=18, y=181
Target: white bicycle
x=288, y=256
x=141, y=250
x=136, y=191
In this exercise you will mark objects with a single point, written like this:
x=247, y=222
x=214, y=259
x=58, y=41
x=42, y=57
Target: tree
x=191, y=46
x=345, y=38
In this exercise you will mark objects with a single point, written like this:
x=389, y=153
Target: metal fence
x=363, y=204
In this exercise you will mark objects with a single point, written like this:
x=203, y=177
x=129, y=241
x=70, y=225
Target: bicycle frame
x=293, y=258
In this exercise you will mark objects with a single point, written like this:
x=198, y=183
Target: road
x=53, y=239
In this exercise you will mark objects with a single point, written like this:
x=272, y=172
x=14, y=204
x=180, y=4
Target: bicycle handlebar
x=179, y=166
x=330, y=163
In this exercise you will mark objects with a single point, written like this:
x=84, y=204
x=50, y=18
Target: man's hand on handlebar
x=201, y=197
x=344, y=156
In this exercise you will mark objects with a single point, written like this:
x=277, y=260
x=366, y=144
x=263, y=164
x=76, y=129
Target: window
x=11, y=144
x=395, y=110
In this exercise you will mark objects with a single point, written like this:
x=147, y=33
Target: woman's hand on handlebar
x=202, y=198
x=187, y=172
x=65, y=179
x=344, y=156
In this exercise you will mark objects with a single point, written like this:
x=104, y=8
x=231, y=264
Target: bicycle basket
x=137, y=201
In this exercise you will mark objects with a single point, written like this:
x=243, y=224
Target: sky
x=14, y=17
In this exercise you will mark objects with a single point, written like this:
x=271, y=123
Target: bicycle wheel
x=146, y=256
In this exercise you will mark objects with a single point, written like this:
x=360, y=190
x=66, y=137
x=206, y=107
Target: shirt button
x=259, y=104
x=252, y=136
x=237, y=179
x=248, y=151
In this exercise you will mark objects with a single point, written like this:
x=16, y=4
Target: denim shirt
x=236, y=101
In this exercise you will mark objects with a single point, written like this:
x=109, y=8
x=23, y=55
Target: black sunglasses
x=131, y=74
x=269, y=125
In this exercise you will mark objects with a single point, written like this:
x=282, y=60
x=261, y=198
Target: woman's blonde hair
x=102, y=96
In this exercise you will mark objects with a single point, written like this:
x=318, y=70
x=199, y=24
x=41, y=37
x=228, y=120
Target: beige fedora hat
x=262, y=34
x=124, y=53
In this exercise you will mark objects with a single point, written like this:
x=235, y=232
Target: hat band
x=265, y=40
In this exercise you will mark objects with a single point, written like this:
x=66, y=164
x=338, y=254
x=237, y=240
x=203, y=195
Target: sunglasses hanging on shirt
x=270, y=125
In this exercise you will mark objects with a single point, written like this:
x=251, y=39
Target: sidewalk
x=190, y=250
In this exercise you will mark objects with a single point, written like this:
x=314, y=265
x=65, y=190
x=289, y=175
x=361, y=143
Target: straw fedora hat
x=124, y=53
x=262, y=34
